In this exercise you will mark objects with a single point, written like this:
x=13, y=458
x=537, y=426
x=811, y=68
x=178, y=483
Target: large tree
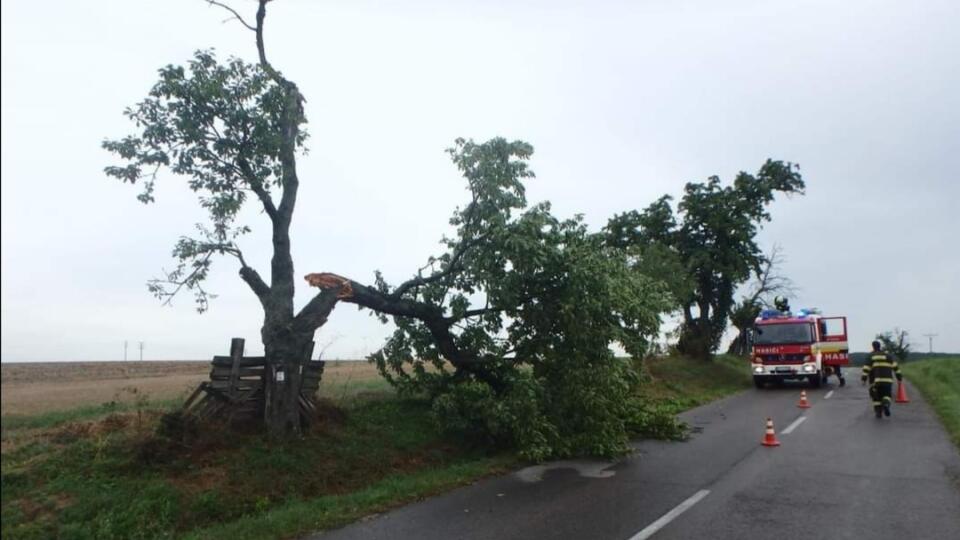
x=234, y=130
x=509, y=330
x=713, y=236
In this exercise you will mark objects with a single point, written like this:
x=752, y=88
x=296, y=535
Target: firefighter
x=880, y=370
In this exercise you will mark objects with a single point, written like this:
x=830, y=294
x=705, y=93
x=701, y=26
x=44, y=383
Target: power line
x=930, y=338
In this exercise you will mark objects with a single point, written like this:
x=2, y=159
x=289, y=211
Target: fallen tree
x=509, y=331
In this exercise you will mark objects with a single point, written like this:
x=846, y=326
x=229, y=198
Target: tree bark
x=285, y=353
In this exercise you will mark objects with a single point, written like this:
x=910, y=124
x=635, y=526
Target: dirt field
x=34, y=388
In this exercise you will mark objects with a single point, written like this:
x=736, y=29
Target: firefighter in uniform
x=880, y=370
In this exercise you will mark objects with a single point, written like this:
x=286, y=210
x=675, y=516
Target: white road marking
x=793, y=426
x=830, y=393
x=652, y=528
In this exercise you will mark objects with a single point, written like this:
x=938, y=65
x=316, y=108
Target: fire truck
x=805, y=345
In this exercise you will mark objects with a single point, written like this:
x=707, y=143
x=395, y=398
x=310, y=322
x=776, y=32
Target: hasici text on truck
x=802, y=346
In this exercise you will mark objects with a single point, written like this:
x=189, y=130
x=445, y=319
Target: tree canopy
x=896, y=342
x=712, y=233
x=217, y=124
x=509, y=330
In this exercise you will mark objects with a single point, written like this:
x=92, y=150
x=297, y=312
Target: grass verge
x=939, y=382
x=678, y=384
x=89, y=412
x=93, y=473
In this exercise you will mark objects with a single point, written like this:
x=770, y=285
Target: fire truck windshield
x=774, y=334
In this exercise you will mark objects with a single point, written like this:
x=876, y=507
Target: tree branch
x=192, y=281
x=315, y=313
x=233, y=11
x=261, y=14
x=257, y=187
x=451, y=268
x=431, y=316
x=465, y=244
x=247, y=273
x=256, y=283
x=769, y=281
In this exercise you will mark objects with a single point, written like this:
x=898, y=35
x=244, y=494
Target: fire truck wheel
x=758, y=381
x=815, y=381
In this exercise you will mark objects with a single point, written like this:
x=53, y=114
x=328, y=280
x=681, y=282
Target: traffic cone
x=770, y=436
x=804, y=404
x=902, y=393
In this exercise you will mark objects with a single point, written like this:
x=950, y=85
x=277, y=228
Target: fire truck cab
x=805, y=345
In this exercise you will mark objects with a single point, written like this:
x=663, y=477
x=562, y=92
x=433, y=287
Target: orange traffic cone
x=770, y=436
x=902, y=393
x=804, y=404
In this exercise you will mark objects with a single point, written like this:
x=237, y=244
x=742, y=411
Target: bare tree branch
x=256, y=283
x=261, y=14
x=233, y=11
x=770, y=281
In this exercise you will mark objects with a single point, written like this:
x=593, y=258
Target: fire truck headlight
x=809, y=368
x=758, y=369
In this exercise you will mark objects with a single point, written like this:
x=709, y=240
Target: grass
x=679, y=384
x=89, y=412
x=99, y=473
x=939, y=381
x=304, y=516
x=113, y=478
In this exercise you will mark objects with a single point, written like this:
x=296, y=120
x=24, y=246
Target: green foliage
x=521, y=312
x=745, y=312
x=89, y=479
x=220, y=126
x=713, y=236
x=742, y=316
x=895, y=342
x=938, y=379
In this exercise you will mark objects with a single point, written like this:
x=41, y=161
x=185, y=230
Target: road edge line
x=665, y=519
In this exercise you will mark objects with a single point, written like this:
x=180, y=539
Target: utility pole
x=930, y=338
x=141, y=350
x=125, y=343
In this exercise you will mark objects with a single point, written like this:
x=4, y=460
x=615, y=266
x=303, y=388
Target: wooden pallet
x=235, y=391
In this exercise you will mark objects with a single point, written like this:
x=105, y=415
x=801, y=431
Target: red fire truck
x=805, y=345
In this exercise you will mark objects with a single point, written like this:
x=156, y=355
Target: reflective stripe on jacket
x=881, y=367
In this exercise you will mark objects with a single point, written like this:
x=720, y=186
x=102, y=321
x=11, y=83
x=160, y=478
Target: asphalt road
x=839, y=473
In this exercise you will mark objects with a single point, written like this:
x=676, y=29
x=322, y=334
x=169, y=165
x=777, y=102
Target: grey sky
x=623, y=101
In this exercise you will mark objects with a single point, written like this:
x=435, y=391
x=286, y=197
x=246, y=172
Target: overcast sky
x=623, y=102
